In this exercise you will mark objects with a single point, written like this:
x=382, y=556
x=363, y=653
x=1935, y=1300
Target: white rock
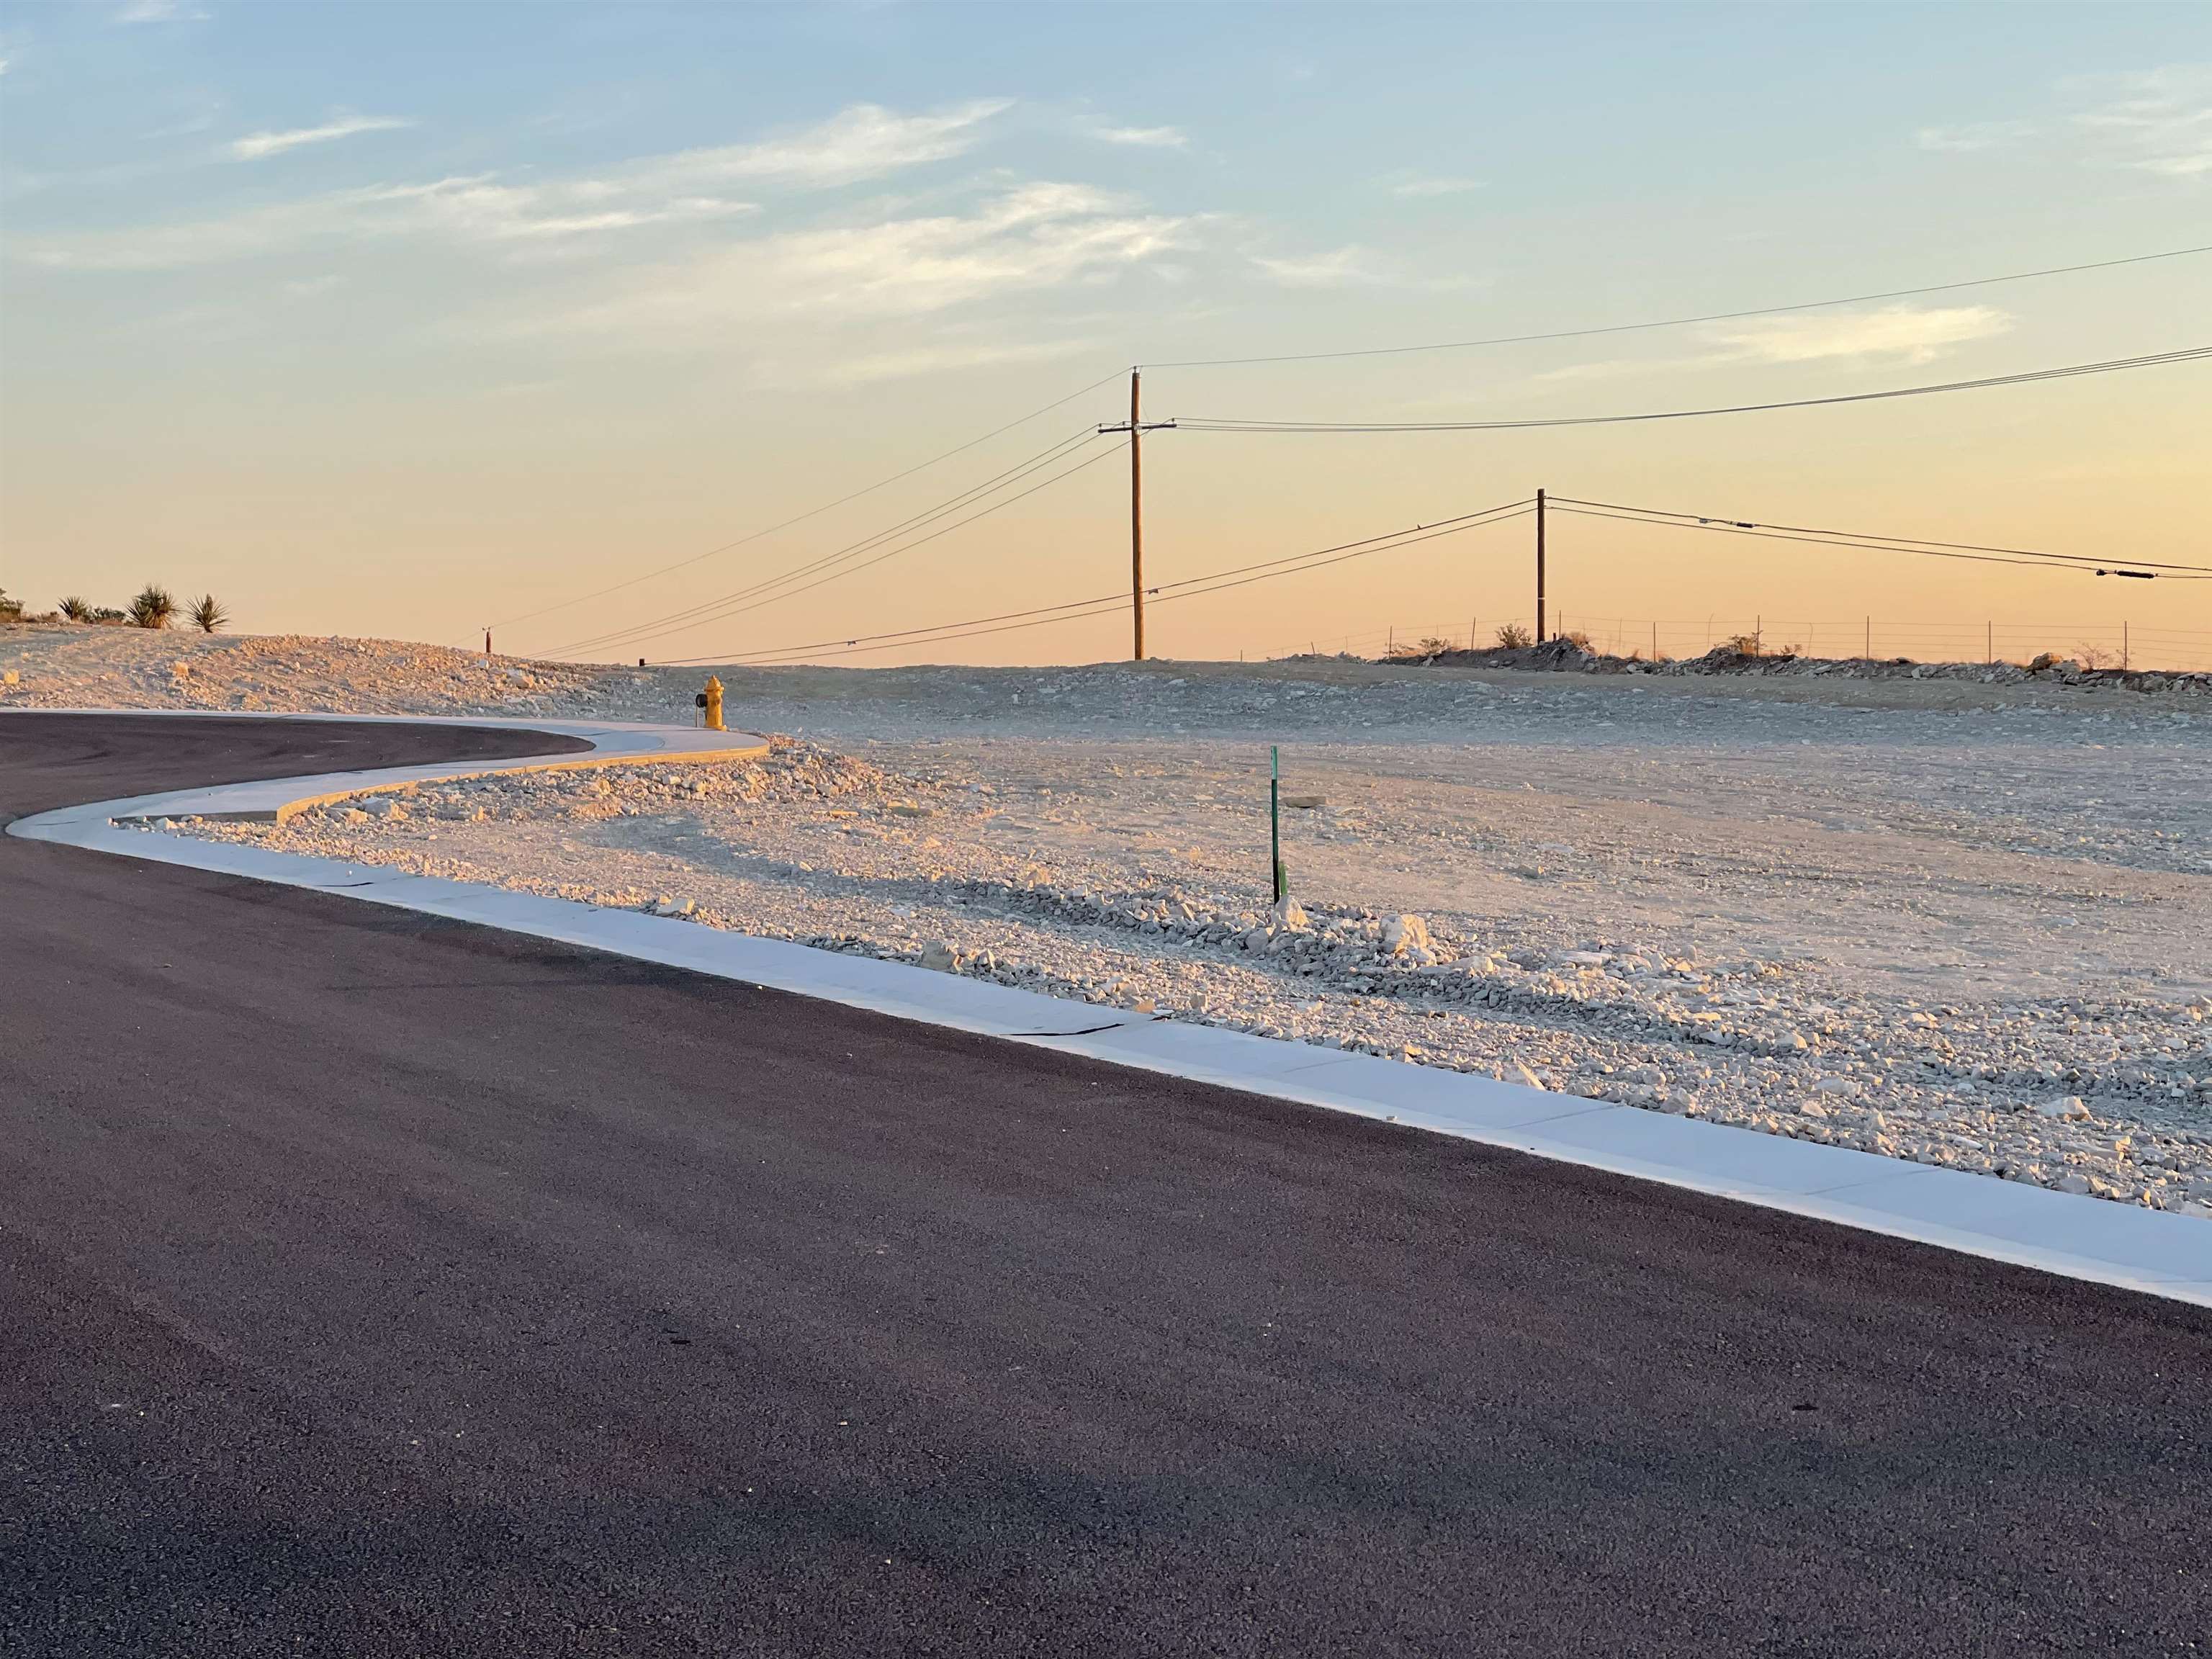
x=2069, y=1106
x=1521, y=1075
x=1401, y=934
x=940, y=956
x=1842, y=1088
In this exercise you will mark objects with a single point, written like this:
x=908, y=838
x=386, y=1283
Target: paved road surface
x=373, y=1284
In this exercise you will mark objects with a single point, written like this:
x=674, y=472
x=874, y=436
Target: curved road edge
x=2078, y=1238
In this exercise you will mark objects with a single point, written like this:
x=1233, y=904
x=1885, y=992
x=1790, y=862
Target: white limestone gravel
x=1943, y=919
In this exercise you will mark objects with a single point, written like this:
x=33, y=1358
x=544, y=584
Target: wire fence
x=2118, y=643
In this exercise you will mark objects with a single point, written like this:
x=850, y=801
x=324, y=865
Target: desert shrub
x=1744, y=644
x=1514, y=637
x=2090, y=656
x=10, y=610
x=1421, y=650
x=1577, y=638
x=207, y=614
x=76, y=610
x=154, y=607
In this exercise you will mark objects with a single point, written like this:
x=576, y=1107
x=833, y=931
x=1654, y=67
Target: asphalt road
x=375, y=1284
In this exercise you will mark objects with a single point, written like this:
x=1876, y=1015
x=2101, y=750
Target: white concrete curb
x=2086, y=1238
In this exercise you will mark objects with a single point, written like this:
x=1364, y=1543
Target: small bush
x=1421, y=650
x=1579, y=639
x=2090, y=657
x=154, y=607
x=10, y=610
x=76, y=610
x=1744, y=644
x=1514, y=637
x=207, y=614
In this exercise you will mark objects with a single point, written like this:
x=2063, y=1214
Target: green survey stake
x=1275, y=815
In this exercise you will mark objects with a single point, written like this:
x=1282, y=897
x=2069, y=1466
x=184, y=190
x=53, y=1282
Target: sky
x=404, y=321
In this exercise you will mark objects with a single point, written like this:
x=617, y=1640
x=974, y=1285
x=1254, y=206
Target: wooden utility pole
x=1136, y=526
x=1540, y=566
x=1136, y=428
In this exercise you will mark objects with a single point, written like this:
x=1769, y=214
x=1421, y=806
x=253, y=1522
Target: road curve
x=372, y=1285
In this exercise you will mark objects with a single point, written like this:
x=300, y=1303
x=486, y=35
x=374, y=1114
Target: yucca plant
x=208, y=616
x=153, y=608
x=76, y=610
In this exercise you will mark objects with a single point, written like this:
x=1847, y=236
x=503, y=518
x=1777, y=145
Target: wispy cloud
x=1974, y=136
x=860, y=143
x=1034, y=236
x=2159, y=120
x=158, y=11
x=1417, y=189
x=871, y=367
x=255, y=145
x=1143, y=137
x=1907, y=333
x=1349, y=266
x=1893, y=334
x=479, y=208
x=863, y=141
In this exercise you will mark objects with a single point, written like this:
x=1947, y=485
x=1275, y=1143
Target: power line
x=2033, y=562
x=1723, y=521
x=1106, y=604
x=1683, y=322
x=2191, y=353
x=812, y=512
x=1444, y=526
x=724, y=614
x=1014, y=474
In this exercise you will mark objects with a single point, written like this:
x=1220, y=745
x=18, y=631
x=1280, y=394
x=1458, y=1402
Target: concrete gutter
x=2151, y=1251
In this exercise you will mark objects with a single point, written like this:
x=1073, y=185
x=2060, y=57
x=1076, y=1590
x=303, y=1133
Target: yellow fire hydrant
x=711, y=701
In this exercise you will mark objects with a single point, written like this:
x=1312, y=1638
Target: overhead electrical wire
x=812, y=512
x=1558, y=334
x=912, y=521
x=2033, y=562
x=1166, y=593
x=1722, y=520
x=1682, y=322
x=733, y=604
x=1208, y=423
x=1121, y=598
